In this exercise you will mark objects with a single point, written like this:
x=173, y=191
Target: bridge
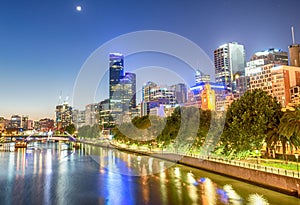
x=23, y=140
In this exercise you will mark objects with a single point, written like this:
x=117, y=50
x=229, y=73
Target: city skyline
x=45, y=44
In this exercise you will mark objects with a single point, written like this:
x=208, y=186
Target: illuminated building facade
x=24, y=123
x=200, y=77
x=63, y=116
x=128, y=92
x=116, y=73
x=295, y=94
x=270, y=56
x=122, y=89
x=207, y=93
x=91, y=113
x=208, y=98
x=46, y=124
x=229, y=60
x=276, y=80
x=294, y=51
x=15, y=121
x=162, y=93
x=78, y=118
x=180, y=93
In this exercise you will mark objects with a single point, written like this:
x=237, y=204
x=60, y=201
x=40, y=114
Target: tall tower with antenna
x=294, y=51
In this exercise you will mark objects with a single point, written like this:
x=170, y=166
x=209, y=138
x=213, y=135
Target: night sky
x=43, y=44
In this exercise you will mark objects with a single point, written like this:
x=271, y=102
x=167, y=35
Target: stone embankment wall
x=285, y=184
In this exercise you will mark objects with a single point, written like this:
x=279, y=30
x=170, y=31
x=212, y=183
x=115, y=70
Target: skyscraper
x=122, y=89
x=63, y=116
x=229, y=60
x=116, y=73
x=180, y=92
x=294, y=51
x=128, y=90
x=15, y=121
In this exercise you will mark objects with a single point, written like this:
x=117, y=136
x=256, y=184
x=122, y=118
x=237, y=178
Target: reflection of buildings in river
x=177, y=182
x=10, y=177
x=163, y=188
x=145, y=189
x=20, y=172
x=191, y=189
x=48, y=176
x=208, y=193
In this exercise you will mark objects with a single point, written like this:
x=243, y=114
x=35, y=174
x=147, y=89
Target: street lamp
x=296, y=156
x=256, y=151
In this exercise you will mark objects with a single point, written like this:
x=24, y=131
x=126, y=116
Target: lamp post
x=256, y=151
x=297, y=156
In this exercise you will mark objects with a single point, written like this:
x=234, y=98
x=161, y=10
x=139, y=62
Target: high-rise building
x=92, y=114
x=24, y=123
x=106, y=121
x=116, y=73
x=294, y=51
x=201, y=77
x=229, y=60
x=30, y=124
x=242, y=85
x=271, y=56
x=78, y=118
x=2, y=125
x=276, y=80
x=128, y=92
x=295, y=94
x=63, y=116
x=46, y=124
x=146, y=91
x=180, y=92
x=15, y=121
x=36, y=125
x=122, y=90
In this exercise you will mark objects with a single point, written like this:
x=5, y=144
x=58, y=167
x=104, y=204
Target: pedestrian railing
x=257, y=166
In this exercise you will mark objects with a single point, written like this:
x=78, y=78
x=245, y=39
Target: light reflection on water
x=53, y=174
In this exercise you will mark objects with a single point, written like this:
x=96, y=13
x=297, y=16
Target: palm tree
x=271, y=139
x=289, y=129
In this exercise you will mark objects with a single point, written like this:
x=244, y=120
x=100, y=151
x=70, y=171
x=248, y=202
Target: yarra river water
x=50, y=173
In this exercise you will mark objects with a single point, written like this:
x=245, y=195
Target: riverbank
x=252, y=173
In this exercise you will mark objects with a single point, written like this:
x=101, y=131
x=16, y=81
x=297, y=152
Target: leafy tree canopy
x=248, y=120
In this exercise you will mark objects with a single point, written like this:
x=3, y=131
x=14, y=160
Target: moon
x=78, y=8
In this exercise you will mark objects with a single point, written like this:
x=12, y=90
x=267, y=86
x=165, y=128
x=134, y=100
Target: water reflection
x=55, y=174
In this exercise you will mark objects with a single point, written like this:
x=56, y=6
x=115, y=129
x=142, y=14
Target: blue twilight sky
x=43, y=43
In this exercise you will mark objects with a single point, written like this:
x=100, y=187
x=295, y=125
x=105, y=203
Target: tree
x=289, y=129
x=71, y=129
x=248, y=121
x=88, y=131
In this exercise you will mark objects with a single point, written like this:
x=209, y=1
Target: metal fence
x=247, y=165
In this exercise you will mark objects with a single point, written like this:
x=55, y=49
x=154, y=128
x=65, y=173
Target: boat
x=76, y=145
x=20, y=144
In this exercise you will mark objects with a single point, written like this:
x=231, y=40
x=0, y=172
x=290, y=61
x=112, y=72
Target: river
x=51, y=173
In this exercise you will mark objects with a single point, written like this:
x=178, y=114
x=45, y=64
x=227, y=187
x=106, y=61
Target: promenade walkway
x=179, y=155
